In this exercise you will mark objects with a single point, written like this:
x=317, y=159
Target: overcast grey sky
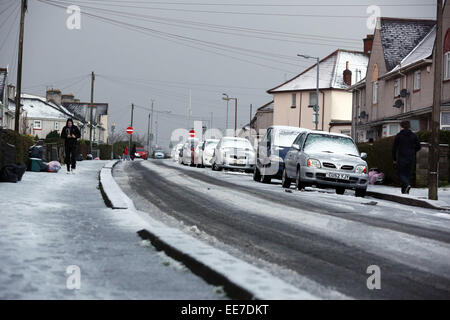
x=140, y=65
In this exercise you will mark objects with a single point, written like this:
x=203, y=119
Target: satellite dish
x=404, y=93
x=398, y=103
x=363, y=114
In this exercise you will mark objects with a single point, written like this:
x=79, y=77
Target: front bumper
x=238, y=167
x=318, y=177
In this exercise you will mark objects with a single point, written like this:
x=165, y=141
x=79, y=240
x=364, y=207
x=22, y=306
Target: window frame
x=40, y=124
x=447, y=66
x=415, y=87
x=375, y=93
x=397, y=84
x=313, y=95
x=294, y=100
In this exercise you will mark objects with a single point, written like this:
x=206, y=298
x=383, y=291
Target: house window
x=417, y=80
x=415, y=125
x=394, y=129
x=346, y=132
x=312, y=99
x=447, y=66
x=375, y=92
x=445, y=120
x=294, y=100
x=396, y=88
x=56, y=125
x=37, y=124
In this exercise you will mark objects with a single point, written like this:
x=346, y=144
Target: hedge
x=105, y=151
x=379, y=154
x=22, y=143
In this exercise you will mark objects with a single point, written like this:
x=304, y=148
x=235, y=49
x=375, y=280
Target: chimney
x=67, y=98
x=368, y=41
x=347, y=75
x=11, y=92
x=54, y=95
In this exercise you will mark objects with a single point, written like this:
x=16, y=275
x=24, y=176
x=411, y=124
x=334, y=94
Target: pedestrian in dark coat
x=70, y=133
x=133, y=152
x=406, y=144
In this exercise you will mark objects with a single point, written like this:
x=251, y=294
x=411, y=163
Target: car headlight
x=361, y=169
x=313, y=163
x=275, y=158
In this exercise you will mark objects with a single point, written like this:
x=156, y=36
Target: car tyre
x=340, y=190
x=285, y=181
x=360, y=193
x=299, y=185
x=256, y=175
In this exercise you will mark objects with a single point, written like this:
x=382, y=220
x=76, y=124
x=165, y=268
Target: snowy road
x=316, y=240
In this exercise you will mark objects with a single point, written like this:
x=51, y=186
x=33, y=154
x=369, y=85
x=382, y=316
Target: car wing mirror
x=363, y=155
x=296, y=146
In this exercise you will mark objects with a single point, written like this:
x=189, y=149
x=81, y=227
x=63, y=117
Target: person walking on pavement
x=70, y=133
x=133, y=152
x=125, y=153
x=404, y=149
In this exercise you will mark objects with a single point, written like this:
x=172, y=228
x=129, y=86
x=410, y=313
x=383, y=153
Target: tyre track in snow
x=316, y=256
x=323, y=208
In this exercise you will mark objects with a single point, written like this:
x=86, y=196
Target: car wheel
x=285, y=181
x=298, y=181
x=360, y=193
x=340, y=190
x=256, y=175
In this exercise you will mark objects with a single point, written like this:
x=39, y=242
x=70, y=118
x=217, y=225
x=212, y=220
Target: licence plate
x=340, y=176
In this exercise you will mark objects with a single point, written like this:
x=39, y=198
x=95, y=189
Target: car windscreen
x=236, y=143
x=284, y=137
x=140, y=150
x=330, y=144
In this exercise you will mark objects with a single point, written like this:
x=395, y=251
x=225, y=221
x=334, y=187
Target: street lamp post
x=227, y=98
x=316, y=106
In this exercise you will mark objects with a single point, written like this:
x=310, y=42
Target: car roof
x=235, y=138
x=288, y=128
x=329, y=133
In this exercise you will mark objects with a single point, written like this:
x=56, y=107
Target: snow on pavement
x=54, y=220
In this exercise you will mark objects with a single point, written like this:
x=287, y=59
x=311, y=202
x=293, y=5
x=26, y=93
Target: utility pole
x=113, y=127
x=235, y=116
x=5, y=99
x=316, y=105
x=433, y=171
x=211, y=122
x=19, y=65
x=251, y=107
x=148, y=132
x=91, y=111
x=131, y=135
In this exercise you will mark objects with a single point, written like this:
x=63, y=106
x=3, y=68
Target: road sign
x=192, y=133
x=130, y=130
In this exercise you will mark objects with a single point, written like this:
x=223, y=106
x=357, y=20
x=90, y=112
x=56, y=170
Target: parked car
x=141, y=153
x=326, y=159
x=204, y=152
x=159, y=154
x=271, y=151
x=189, y=151
x=233, y=153
x=176, y=152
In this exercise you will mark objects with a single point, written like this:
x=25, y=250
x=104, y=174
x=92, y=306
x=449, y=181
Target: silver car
x=326, y=159
x=233, y=153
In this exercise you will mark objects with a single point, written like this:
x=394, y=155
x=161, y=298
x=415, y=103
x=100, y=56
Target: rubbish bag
x=12, y=172
x=44, y=166
x=79, y=157
x=54, y=166
x=36, y=151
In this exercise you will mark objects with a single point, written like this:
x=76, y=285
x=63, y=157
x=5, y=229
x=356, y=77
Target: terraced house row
x=400, y=76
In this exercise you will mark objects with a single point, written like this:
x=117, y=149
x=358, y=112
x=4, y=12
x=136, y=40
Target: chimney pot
x=347, y=75
x=54, y=95
x=368, y=42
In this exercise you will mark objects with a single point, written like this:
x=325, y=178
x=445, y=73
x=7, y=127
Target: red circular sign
x=192, y=133
x=130, y=130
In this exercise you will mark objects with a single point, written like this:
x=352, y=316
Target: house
x=400, y=79
x=293, y=100
x=262, y=119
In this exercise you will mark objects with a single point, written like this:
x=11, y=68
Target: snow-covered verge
x=50, y=221
x=420, y=194
x=259, y=283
